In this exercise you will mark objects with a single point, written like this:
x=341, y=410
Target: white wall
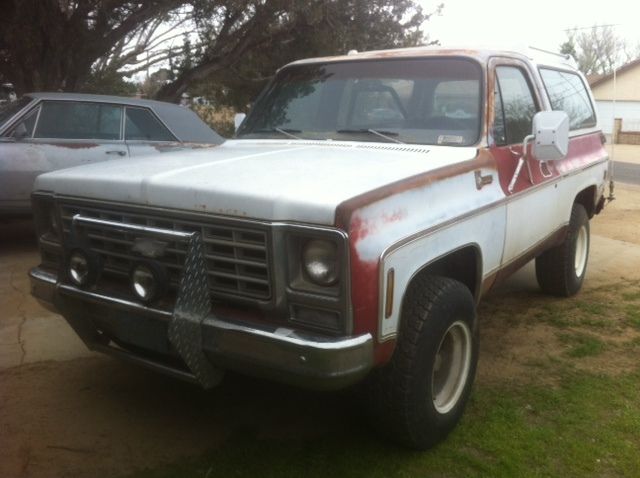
x=629, y=110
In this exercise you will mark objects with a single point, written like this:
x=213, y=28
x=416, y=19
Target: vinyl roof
x=183, y=122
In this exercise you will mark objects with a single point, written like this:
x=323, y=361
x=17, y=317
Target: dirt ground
x=66, y=412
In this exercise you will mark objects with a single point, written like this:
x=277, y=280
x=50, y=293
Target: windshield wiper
x=285, y=131
x=382, y=134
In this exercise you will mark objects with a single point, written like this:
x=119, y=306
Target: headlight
x=319, y=259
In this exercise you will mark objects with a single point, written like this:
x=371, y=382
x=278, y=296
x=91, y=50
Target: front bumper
x=140, y=334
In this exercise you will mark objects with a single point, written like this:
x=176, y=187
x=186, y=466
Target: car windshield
x=424, y=101
x=10, y=108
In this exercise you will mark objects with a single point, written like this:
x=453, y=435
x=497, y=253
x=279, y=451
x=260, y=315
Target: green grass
x=631, y=296
x=582, y=345
x=588, y=426
x=632, y=313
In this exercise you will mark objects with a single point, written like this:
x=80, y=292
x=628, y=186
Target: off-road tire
x=400, y=395
x=556, y=269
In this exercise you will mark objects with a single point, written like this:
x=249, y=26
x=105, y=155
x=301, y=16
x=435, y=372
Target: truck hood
x=268, y=179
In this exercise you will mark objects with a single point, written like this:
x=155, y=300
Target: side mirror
x=550, y=135
x=238, y=119
x=20, y=132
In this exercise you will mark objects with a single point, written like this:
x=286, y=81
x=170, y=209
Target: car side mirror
x=20, y=132
x=550, y=135
x=238, y=119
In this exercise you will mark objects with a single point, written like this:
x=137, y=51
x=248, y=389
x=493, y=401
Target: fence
x=626, y=131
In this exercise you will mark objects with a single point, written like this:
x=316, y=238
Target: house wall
x=627, y=110
x=627, y=88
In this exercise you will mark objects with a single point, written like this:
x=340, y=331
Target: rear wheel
x=419, y=397
x=561, y=271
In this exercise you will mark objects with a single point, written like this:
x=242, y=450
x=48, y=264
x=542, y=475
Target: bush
x=220, y=119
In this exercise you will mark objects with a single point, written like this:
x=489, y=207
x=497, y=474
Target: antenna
x=613, y=142
x=565, y=56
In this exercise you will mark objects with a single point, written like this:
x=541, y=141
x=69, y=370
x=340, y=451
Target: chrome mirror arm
x=521, y=161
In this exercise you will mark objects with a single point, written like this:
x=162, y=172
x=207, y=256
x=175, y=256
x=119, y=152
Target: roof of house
x=599, y=79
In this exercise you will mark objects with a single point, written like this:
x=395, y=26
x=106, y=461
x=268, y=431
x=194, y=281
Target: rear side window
x=142, y=125
x=77, y=120
x=515, y=103
x=567, y=93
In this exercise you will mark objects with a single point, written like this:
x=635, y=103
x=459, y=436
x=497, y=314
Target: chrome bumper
x=297, y=358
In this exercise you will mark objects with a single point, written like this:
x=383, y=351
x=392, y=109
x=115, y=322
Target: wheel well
x=587, y=197
x=463, y=265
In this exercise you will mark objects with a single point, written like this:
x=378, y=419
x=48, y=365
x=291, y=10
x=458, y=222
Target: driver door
x=532, y=195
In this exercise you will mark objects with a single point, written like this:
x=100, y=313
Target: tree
x=53, y=44
x=568, y=48
x=598, y=50
x=243, y=41
x=73, y=45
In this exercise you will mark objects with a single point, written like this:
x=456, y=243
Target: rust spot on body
x=74, y=145
x=164, y=147
x=344, y=211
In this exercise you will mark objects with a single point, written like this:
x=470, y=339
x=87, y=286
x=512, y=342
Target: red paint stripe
x=583, y=150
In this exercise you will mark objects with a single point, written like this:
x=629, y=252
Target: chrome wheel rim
x=582, y=246
x=451, y=367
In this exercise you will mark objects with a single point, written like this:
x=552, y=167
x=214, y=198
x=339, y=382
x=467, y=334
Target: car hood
x=269, y=179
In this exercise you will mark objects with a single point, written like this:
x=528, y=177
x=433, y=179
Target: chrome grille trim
x=238, y=257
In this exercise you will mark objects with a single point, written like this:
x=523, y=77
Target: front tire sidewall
x=432, y=425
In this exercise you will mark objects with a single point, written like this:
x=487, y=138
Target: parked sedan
x=46, y=131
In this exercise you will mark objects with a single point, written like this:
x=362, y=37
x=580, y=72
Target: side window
x=77, y=120
x=567, y=93
x=518, y=105
x=24, y=129
x=142, y=125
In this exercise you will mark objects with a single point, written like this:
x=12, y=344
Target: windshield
x=425, y=101
x=10, y=108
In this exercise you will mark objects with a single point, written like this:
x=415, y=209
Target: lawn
x=558, y=394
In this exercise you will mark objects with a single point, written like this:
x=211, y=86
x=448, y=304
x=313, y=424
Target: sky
x=539, y=23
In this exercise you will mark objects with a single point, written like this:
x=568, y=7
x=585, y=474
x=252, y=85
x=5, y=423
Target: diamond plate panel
x=192, y=306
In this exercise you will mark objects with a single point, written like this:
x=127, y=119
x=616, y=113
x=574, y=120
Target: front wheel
x=561, y=271
x=419, y=397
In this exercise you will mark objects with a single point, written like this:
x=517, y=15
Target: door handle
x=482, y=181
x=116, y=152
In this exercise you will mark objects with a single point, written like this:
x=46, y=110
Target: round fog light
x=147, y=281
x=79, y=268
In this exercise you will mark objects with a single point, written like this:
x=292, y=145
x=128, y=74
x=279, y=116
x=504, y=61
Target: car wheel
x=419, y=397
x=561, y=271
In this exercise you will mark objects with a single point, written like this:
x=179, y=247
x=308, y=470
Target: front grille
x=237, y=257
